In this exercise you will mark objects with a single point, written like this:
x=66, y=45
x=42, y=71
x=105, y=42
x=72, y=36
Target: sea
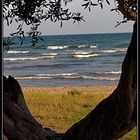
x=67, y=60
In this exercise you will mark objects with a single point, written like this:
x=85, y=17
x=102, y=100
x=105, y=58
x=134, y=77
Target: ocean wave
x=81, y=46
x=50, y=54
x=28, y=58
x=115, y=50
x=57, y=47
x=100, y=78
x=61, y=75
x=15, y=52
x=93, y=46
x=50, y=76
x=121, y=49
x=32, y=78
x=82, y=52
x=85, y=56
x=65, y=76
x=109, y=72
x=109, y=51
x=46, y=57
x=57, y=74
x=45, y=77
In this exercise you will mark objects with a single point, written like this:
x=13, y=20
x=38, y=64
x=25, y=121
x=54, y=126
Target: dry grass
x=59, y=111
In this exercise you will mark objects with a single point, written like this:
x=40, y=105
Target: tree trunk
x=115, y=115
x=110, y=120
x=127, y=10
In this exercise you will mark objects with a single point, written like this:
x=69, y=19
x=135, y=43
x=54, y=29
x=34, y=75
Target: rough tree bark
x=110, y=120
x=126, y=10
x=117, y=114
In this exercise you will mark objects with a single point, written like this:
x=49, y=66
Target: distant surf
x=109, y=72
x=57, y=47
x=85, y=56
x=28, y=58
x=66, y=76
x=14, y=52
x=115, y=50
x=93, y=46
x=68, y=60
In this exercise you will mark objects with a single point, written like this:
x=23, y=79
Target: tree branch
x=127, y=10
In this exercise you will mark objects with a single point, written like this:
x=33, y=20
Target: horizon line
x=79, y=34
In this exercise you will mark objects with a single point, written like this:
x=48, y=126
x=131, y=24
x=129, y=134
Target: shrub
x=75, y=92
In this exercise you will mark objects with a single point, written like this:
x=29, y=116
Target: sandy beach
x=65, y=90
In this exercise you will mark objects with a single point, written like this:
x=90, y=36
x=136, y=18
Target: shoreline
x=66, y=89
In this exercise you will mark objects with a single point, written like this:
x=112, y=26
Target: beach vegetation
x=74, y=92
x=63, y=110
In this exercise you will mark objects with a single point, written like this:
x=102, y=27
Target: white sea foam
x=32, y=77
x=85, y=56
x=81, y=46
x=122, y=49
x=28, y=58
x=45, y=77
x=65, y=76
x=93, y=47
x=14, y=52
x=19, y=59
x=110, y=72
x=82, y=52
x=100, y=78
x=56, y=74
x=109, y=51
x=115, y=50
x=47, y=57
x=49, y=76
x=50, y=54
x=57, y=47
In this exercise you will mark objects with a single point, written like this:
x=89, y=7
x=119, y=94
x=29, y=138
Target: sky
x=97, y=21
